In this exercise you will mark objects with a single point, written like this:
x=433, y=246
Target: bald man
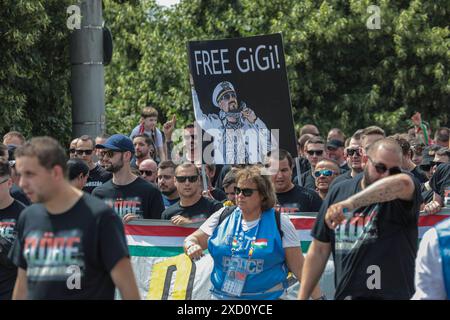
x=370, y=225
x=149, y=170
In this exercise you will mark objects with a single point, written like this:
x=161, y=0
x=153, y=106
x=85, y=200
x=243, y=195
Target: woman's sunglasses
x=247, y=192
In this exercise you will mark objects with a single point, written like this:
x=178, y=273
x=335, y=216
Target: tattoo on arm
x=384, y=190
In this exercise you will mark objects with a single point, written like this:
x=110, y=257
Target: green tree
x=340, y=73
x=35, y=73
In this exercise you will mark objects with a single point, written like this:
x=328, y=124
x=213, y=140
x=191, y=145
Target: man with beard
x=166, y=183
x=129, y=195
x=233, y=124
x=143, y=144
x=97, y=175
x=192, y=205
x=370, y=224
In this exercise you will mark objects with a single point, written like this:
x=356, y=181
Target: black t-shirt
x=299, y=199
x=380, y=241
x=342, y=177
x=440, y=182
x=218, y=194
x=203, y=208
x=308, y=180
x=97, y=177
x=139, y=197
x=8, y=233
x=419, y=175
x=83, y=243
x=18, y=194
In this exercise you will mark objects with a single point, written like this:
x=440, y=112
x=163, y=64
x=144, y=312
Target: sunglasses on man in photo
x=182, y=179
x=80, y=152
x=351, y=152
x=317, y=152
x=228, y=96
x=382, y=168
x=146, y=172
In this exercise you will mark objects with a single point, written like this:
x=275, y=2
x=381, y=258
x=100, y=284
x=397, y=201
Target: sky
x=167, y=2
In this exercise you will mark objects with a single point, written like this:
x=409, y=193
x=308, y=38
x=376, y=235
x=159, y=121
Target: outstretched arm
x=400, y=186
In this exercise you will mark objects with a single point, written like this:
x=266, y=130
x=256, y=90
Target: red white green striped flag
x=156, y=238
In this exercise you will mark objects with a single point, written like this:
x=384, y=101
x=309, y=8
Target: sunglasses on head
x=182, y=179
x=146, y=172
x=325, y=173
x=317, y=152
x=228, y=96
x=382, y=168
x=351, y=152
x=246, y=192
x=88, y=152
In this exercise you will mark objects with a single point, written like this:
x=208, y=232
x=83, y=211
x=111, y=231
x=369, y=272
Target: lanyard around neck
x=236, y=237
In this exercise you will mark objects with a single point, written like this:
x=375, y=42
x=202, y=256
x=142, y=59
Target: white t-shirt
x=429, y=277
x=290, y=237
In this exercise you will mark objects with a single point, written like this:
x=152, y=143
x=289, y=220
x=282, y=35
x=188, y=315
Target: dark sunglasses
x=228, y=96
x=381, y=168
x=72, y=151
x=325, y=173
x=247, y=192
x=317, y=152
x=182, y=179
x=351, y=152
x=88, y=152
x=146, y=172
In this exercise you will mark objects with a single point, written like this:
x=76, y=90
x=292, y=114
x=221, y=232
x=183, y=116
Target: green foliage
x=341, y=74
x=35, y=73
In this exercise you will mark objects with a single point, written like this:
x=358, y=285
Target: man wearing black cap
x=335, y=151
x=131, y=196
x=233, y=123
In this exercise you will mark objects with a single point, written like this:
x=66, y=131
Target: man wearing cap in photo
x=129, y=195
x=241, y=120
x=335, y=151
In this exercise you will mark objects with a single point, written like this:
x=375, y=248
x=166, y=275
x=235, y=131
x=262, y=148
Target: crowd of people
x=67, y=207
